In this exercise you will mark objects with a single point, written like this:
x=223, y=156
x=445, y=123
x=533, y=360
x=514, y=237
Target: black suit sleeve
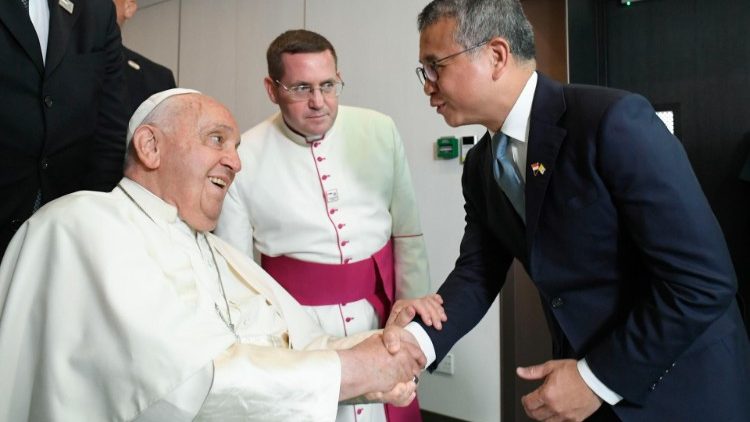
x=169, y=78
x=688, y=279
x=108, y=149
x=480, y=270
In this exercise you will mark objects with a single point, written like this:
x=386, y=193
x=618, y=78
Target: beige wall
x=218, y=47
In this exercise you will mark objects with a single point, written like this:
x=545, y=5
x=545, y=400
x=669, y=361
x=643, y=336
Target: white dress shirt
x=39, y=15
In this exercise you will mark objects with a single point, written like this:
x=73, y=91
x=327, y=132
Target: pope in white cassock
x=122, y=306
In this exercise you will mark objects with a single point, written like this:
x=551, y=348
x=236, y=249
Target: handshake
x=385, y=367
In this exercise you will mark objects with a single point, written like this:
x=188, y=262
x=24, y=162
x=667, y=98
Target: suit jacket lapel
x=60, y=26
x=16, y=19
x=545, y=138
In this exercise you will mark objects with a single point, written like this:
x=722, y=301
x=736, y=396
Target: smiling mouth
x=218, y=182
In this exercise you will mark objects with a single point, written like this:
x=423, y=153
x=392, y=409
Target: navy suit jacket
x=63, y=122
x=631, y=265
x=144, y=78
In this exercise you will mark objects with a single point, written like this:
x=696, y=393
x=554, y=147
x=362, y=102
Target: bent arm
x=479, y=273
x=108, y=149
x=271, y=384
x=689, y=279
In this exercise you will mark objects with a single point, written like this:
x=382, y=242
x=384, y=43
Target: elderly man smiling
x=122, y=306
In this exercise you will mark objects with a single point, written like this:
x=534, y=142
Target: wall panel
x=154, y=32
x=258, y=23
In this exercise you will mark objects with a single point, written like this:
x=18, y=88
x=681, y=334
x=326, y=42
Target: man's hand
x=368, y=367
x=564, y=395
x=394, y=335
x=401, y=395
x=429, y=308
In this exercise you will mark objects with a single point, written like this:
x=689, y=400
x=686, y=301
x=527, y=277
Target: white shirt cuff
x=595, y=385
x=424, y=341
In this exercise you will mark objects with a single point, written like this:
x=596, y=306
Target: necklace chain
x=228, y=320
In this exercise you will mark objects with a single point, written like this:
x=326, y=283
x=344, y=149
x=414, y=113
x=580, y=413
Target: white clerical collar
x=296, y=137
x=153, y=206
x=516, y=125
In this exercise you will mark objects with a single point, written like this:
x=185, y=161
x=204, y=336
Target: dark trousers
x=603, y=414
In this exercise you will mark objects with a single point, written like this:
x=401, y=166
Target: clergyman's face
x=462, y=81
x=199, y=162
x=313, y=116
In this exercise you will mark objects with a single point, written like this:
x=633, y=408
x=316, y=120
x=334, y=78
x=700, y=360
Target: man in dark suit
x=605, y=215
x=143, y=77
x=62, y=117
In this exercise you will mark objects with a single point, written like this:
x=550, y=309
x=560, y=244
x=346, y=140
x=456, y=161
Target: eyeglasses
x=304, y=92
x=429, y=72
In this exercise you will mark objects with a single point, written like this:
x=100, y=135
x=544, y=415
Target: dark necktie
x=25, y=4
x=507, y=176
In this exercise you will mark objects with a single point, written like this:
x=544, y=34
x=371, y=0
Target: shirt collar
x=516, y=125
x=153, y=206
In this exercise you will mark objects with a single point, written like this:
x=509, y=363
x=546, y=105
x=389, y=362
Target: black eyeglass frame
x=423, y=72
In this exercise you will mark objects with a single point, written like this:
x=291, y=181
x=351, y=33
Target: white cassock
x=335, y=200
x=111, y=309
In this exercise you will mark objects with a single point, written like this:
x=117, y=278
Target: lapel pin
x=537, y=168
x=67, y=5
x=134, y=65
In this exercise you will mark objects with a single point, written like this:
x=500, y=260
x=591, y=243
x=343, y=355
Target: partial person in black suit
x=62, y=114
x=143, y=77
x=611, y=225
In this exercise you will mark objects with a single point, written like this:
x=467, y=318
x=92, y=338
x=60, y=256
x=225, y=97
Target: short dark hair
x=480, y=20
x=295, y=41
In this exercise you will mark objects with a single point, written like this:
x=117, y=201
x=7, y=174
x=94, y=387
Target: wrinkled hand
x=429, y=308
x=368, y=367
x=564, y=395
x=401, y=395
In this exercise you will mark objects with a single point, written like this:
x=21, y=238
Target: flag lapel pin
x=537, y=169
